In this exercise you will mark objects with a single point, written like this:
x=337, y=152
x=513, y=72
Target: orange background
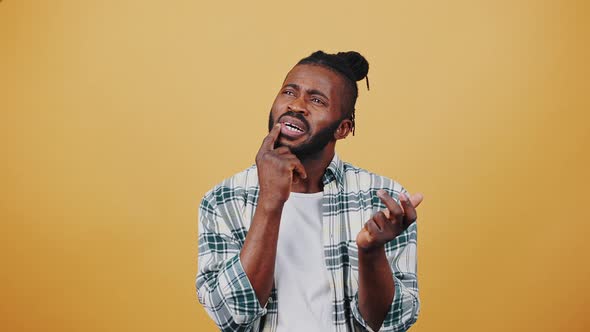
x=117, y=116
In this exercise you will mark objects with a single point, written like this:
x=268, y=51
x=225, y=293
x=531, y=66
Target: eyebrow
x=310, y=91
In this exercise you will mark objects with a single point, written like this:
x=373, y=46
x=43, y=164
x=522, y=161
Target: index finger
x=268, y=143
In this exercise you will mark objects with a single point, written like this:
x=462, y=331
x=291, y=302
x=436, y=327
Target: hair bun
x=356, y=62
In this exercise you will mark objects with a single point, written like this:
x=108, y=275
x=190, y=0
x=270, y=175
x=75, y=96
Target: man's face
x=309, y=108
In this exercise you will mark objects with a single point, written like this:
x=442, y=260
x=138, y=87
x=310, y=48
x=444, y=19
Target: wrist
x=371, y=255
x=270, y=204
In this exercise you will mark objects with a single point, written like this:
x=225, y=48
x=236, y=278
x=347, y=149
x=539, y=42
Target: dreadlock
x=351, y=65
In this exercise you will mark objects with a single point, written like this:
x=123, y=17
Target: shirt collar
x=334, y=172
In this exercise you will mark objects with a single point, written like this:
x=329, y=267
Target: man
x=303, y=241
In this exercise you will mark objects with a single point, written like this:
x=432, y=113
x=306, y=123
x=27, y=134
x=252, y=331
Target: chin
x=285, y=142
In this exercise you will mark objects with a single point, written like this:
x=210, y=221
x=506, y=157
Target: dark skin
x=317, y=94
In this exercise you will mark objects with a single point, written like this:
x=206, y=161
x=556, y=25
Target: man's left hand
x=386, y=225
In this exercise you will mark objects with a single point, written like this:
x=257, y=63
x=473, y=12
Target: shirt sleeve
x=223, y=288
x=405, y=307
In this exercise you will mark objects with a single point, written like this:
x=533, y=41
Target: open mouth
x=292, y=127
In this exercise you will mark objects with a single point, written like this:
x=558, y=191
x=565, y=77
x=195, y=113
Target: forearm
x=376, y=286
x=260, y=247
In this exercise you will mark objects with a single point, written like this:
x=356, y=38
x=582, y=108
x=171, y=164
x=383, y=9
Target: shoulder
x=235, y=187
x=364, y=180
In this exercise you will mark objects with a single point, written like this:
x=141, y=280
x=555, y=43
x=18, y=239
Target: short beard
x=314, y=144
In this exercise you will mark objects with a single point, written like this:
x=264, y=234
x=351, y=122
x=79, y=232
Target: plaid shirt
x=349, y=200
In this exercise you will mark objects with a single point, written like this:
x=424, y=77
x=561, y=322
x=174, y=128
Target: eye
x=318, y=101
x=289, y=93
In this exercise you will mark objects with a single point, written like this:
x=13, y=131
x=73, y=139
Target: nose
x=298, y=105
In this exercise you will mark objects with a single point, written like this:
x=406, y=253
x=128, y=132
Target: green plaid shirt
x=349, y=200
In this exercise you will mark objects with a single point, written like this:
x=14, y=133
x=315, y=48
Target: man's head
x=317, y=100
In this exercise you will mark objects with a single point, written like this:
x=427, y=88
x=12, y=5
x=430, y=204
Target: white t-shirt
x=301, y=276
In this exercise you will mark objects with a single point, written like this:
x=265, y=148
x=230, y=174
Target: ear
x=343, y=129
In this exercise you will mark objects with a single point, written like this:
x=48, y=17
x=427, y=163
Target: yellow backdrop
x=117, y=116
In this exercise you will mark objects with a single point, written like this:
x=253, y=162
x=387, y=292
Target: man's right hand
x=276, y=170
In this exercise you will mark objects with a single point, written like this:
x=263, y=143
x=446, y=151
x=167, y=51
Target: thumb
x=416, y=199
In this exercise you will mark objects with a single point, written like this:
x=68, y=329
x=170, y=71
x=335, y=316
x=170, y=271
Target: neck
x=315, y=167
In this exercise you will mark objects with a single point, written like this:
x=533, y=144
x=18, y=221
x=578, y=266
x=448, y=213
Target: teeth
x=292, y=127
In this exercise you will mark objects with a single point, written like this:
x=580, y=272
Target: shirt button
x=270, y=300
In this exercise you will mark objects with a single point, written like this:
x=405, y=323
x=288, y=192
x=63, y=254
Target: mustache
x=299, y=116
